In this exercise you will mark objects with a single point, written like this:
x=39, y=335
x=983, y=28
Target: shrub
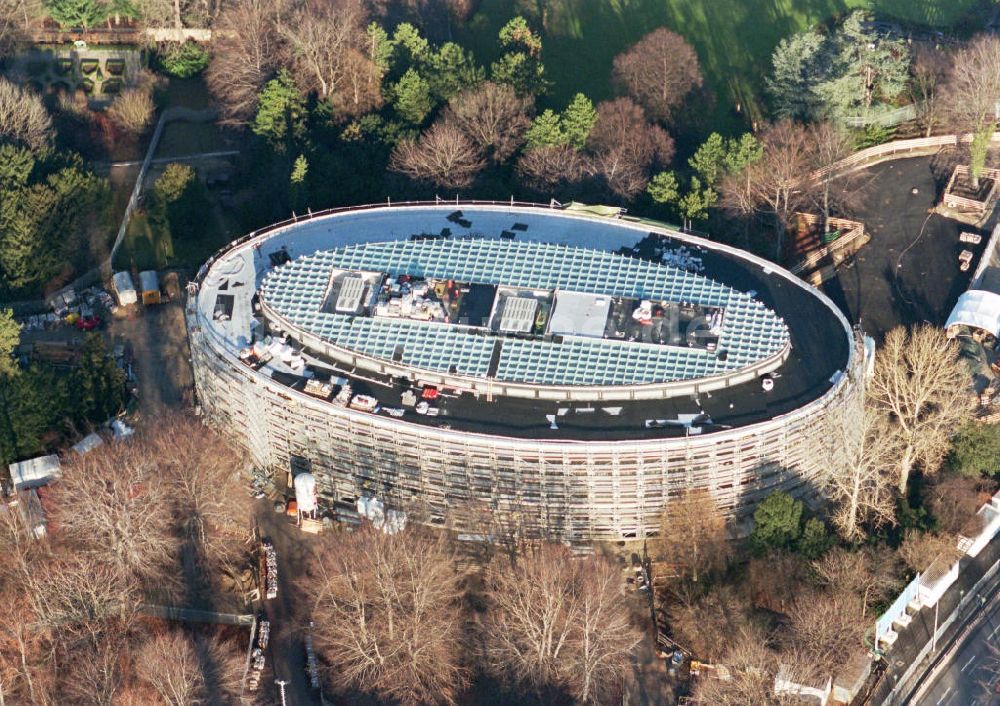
x=184, y=60
x=975, y=450
x=132, y=110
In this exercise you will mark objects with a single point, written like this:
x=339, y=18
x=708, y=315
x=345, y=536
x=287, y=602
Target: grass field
x=147, y=246
x=734, y=38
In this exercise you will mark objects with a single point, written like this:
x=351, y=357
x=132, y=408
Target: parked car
x=88, y=323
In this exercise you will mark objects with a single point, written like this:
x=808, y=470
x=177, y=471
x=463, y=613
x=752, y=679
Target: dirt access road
x=160, y=358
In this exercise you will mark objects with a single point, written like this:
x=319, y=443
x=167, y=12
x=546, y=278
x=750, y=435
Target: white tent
x=976, y=308
x=34, y=472
x=305, y=492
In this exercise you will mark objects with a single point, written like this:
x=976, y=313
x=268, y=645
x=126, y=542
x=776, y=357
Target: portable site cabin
x=149, y=285
x=88, y=443
x=124, y=288
x=34, y=472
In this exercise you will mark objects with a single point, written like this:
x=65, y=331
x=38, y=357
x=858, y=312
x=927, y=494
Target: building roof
x=34, y=472
x=578, y=353
x=580, y=314
x=820, y=339
x=88, y=443
x=148, y=281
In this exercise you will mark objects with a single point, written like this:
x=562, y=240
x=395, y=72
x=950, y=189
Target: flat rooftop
x=820, y=346
x=615, y=319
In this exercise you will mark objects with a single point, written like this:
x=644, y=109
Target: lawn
x=734, y=38
x=150, y=247
x=144, y=247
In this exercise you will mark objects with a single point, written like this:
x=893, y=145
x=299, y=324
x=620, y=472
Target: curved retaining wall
x=578, y=490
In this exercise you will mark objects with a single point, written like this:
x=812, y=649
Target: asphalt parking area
x=908, y=273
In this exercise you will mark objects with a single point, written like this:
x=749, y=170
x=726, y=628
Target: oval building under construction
x=523, y=369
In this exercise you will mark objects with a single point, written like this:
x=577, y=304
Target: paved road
x=973, y=668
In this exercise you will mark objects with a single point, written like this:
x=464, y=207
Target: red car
x=88, y=323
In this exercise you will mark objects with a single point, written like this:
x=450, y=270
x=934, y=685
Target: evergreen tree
x=709, y=160
x=868, y=68
x=546, y=131
x=10, y=337
x=578, y=119
x=32, y=404
x=663, y=188
x=451, y=70
x=740, y=152
x=695, y=203
x=799, y=66
x=16, y=165
x=281, y=111
x=975, y=450
x=777, y=523
x=98, y=385
x=815, y=539
x=409, y=49
x=179, y=203
x=412, y=97
x=76, y=13
x=379, y=45
x=297, y=186
x=521, y=64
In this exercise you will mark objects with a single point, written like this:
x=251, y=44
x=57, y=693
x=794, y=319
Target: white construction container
x=35, y=472
x=124, y=288
x=149, y=282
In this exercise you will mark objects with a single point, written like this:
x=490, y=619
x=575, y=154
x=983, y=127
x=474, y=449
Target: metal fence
x=885, y=118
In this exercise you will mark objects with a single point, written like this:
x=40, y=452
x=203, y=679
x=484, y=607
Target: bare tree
x=954, y=500
x=443, y=155
x=698, y=621
x=870, y=574
x=132, y=110
x=768, y=578
x=658, y=71
x=930, y=69
x=833, y=192
x=990, y=670
x=971, y=96
x=827, y=626
x=920, y=549
x=186, y=670
x=548, y=168
x=693, y=535
x=15, y=17
x=210, y=505
x=246, y=51
x=388, y=615
x=557, y=622
x=82, y=600
x=94, y=675
x=326, y=42
x=750, y=665
x=775, y=185
x=860, y=472
x=23, y=117
x=168, y=663
x=625, y=146
x=113, y=506
x=923, y=387
x=493, y=116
